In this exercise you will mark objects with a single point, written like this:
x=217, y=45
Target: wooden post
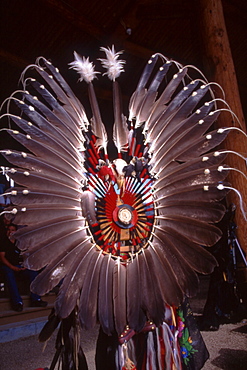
x=219, y=63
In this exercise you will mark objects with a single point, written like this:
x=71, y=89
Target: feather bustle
x=105, y=301
x=46, y=152
x=89, y=293
x=97, y=125
x=168, y=282
x=20, y=196
x=202, y=162
x=152, y=299
x=63, y=92
x=49, y=328
x=197, y=231
x=201, y=211
x=50, y=135
x=120, y=128
x=72, y=284
x=182, y=271
x=140, y=92
x=59, y=266
x=185, y=249
x=46, y=253
x=171, y=109
x=62, y=119
x=119, y=296
x=175, y=146
x=135, y=314
x=43, y=183
x=32, y=215
x=75, y=138
x=35, y=164
x=43, y=131
x=30, y=236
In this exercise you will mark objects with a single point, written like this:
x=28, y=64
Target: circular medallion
x=125, y=215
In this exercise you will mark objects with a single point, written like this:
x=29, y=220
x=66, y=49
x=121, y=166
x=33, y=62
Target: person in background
x=11, y=264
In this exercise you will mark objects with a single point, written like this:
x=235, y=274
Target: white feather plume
x=84, y=67
x=111, y=63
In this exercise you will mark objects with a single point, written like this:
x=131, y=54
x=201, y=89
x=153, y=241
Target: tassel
x=159, y=350
x=151, y=361
x=128, y=364
x=172, y=359
x=113, y=65
x=84, y=67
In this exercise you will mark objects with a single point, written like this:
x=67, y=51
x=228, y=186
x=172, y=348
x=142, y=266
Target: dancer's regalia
x=123, y=236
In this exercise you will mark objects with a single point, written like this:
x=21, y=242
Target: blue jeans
x=11, y=283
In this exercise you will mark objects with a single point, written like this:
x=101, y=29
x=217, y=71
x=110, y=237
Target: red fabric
x=104, y=170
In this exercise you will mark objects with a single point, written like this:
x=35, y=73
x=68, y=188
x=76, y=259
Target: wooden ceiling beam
x=84, y=24
x=233, y=9
x=13, y=59
x=71, y=15
x=119, y=34
x=137, y=50
x=168, y=10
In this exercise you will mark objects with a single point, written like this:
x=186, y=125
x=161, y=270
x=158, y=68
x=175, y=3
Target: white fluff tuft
x=83, y=67
x=111, y=63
